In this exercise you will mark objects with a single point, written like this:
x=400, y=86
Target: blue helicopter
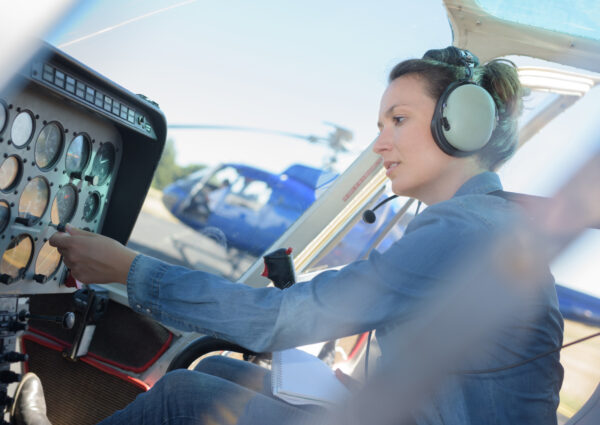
x=244, y=207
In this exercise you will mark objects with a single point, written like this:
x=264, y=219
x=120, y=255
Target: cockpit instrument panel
x=74, y=148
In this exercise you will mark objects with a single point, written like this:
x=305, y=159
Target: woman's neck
x=448, y=183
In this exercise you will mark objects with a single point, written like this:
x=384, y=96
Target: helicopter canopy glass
x=555, y=15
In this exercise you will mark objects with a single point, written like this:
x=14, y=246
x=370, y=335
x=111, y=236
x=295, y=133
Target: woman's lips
x=390, y=166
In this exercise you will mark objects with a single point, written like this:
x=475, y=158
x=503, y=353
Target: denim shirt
x=379, y=293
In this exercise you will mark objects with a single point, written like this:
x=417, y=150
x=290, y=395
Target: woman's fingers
x=93, y=258
x=60, y=240
x=74, y=231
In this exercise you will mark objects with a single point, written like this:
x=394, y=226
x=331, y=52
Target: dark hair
x=441, y=67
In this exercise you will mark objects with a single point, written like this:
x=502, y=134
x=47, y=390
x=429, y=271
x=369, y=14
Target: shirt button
x=148, y=311
x=139, y=307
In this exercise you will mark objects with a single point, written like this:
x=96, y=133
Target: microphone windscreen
x=368, y=216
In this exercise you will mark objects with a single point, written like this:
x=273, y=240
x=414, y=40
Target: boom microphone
x=369, y=215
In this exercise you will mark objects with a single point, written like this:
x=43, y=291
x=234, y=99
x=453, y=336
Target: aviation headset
x=465, y=114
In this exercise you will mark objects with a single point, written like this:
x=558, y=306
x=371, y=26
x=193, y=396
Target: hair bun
x=452, y=56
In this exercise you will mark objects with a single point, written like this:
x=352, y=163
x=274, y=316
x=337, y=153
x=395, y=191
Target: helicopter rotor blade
x=310, y=138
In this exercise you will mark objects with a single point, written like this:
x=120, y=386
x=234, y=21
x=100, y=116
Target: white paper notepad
x=301, y=378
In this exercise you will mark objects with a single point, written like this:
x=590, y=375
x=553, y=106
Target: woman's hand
x=93, y=258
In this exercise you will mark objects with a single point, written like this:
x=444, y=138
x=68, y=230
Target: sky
x=291, y=66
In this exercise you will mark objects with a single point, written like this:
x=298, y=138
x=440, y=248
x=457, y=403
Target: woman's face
x=414, y=164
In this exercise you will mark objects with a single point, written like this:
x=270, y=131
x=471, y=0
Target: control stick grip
x=279, y=268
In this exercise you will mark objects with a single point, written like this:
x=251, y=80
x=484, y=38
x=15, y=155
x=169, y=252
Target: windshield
x=266, y=105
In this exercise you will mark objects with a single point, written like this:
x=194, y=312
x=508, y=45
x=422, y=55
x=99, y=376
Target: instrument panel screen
x=78, y=154
x=16, y=258
x=22, y=129
x=3, y=114
x=48, y=146
x=4, y=215
x=64, y=205
x=10, y=172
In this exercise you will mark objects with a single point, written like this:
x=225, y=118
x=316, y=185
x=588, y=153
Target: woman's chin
x=400, y=188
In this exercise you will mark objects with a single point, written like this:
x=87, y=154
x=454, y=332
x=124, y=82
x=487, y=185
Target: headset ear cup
x=464, y=119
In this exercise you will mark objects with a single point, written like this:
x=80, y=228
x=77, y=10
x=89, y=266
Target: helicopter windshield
x=556, y=15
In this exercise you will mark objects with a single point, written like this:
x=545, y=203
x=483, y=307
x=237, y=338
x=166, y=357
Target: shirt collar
x=485, y=182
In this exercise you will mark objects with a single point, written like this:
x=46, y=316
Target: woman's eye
x=398, y=120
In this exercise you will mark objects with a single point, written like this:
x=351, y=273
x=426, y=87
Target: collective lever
x=67, y=321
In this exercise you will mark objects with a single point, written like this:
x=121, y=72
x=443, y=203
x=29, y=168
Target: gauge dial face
x=34, y=199
x=4, y=215
x=78, y=154
x=48, y=260
x=103, y=163
x=22, y=129
x=3, y=115
x=10, y=171
x=91, y=206
x=17, y=256
x=64, y=205
x=49, y=145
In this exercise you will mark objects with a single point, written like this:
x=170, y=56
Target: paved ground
x=159, y=234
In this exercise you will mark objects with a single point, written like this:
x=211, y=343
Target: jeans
x=221, y=391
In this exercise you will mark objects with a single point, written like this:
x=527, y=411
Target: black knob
x=23, y=220
x=5, y=400
x=61, y=227
x=93, y=180
x=7, y=376
x=15, y=326
x=13, y=357
x=76, y=175
x=39, y=278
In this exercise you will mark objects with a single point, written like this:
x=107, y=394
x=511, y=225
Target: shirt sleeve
x=362, y=296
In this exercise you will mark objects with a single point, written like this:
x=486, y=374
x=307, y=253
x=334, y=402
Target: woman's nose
x=381, y=143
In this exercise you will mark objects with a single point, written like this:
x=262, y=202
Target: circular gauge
x=103, y=163
x=78, y=154
x=22, y=129
x=91, y=206
x=17, y=256
x=34, y=200
x=64, y=205
x=3, y=115
x=4, y=215
x=10, y=173
x=48, y=261
x=49, y=145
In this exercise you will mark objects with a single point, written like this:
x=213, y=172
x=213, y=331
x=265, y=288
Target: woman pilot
x=426, y=156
